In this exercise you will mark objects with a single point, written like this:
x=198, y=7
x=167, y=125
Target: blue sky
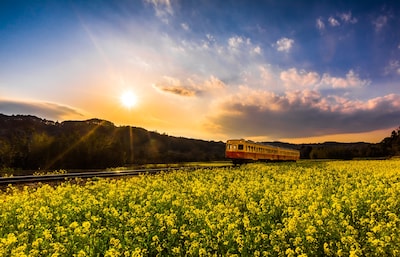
x=297, y=71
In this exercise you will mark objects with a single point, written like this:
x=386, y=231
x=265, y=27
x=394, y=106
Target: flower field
x=338, y=208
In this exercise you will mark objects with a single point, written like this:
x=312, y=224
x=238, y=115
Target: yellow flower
x=112, y=253
x=74, y=225
x=86, y=226
x=176, y=250
x=327, y=251
x=115, y=243
x=81, y=253
x=47, y=234
x=268, y=209
x=202, y=252
x=37, y=243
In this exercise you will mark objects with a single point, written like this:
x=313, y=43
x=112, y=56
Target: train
x=244, y=151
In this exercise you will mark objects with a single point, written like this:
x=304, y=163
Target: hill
x=28, y=142
x=31, y=143
x=336, y=150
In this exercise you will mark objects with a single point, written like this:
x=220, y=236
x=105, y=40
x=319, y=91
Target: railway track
x=5, y=181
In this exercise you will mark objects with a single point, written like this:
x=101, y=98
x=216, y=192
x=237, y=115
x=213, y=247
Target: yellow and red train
x=242, y=151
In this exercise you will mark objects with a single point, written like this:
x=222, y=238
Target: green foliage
x=391, y=145
x=30, y=143
x=54, y=172
x=7, y=172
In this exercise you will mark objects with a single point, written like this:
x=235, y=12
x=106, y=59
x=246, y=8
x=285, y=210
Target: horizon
x=172, y=135
x=296, y=72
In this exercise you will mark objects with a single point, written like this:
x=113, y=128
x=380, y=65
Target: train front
x=235, y=149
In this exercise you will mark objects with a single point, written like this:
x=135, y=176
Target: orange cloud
x=302, y=113
x=46, y=110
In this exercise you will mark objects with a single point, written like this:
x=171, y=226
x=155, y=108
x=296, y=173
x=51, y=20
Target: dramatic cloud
x=249, y=96
x=177, y=90
x=257, y=50
x=392, y=68
x=239, y=44
x=284, y=44
x=333, y=22
x=41, y=109
x=174, y=86
x=213, y=84
x=309, y=74
x=266, y=75
x=235, y=42
x=380, y=22
x=185, y=26
x=163, y=8
x=294, y=79
x=191, y=87
x=347, y=18
x=320, y=24
x=226, y=58
x=352, y=80
x=302, y=113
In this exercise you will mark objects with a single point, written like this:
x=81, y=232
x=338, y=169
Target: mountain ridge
x=30, y=142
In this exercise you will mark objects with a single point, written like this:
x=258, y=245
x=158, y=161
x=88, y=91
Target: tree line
x=388, y=147
x=30, y=143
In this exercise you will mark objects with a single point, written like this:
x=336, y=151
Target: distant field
x=331, y=208
x=182, y=164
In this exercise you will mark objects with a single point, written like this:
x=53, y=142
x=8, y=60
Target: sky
x=295, y=71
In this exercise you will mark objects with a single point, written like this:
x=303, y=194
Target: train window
x=240, y=147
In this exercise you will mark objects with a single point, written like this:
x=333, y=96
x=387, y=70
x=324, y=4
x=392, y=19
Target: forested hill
x=389, y=146
x=335, y=150
x=28, y=142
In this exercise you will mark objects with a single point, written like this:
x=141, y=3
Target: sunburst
x=128, y=99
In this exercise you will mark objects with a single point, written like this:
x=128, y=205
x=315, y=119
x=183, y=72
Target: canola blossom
x=337, y=208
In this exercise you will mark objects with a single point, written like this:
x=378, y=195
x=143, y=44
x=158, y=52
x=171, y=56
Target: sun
x=128, y=99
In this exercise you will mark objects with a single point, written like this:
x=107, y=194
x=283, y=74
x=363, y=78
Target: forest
x=31, y=143
x=28, y=142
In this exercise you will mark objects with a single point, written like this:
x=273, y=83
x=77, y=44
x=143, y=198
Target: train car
x=242, y=151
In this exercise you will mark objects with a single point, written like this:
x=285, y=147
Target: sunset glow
x=128, y=99
x=275, y=70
